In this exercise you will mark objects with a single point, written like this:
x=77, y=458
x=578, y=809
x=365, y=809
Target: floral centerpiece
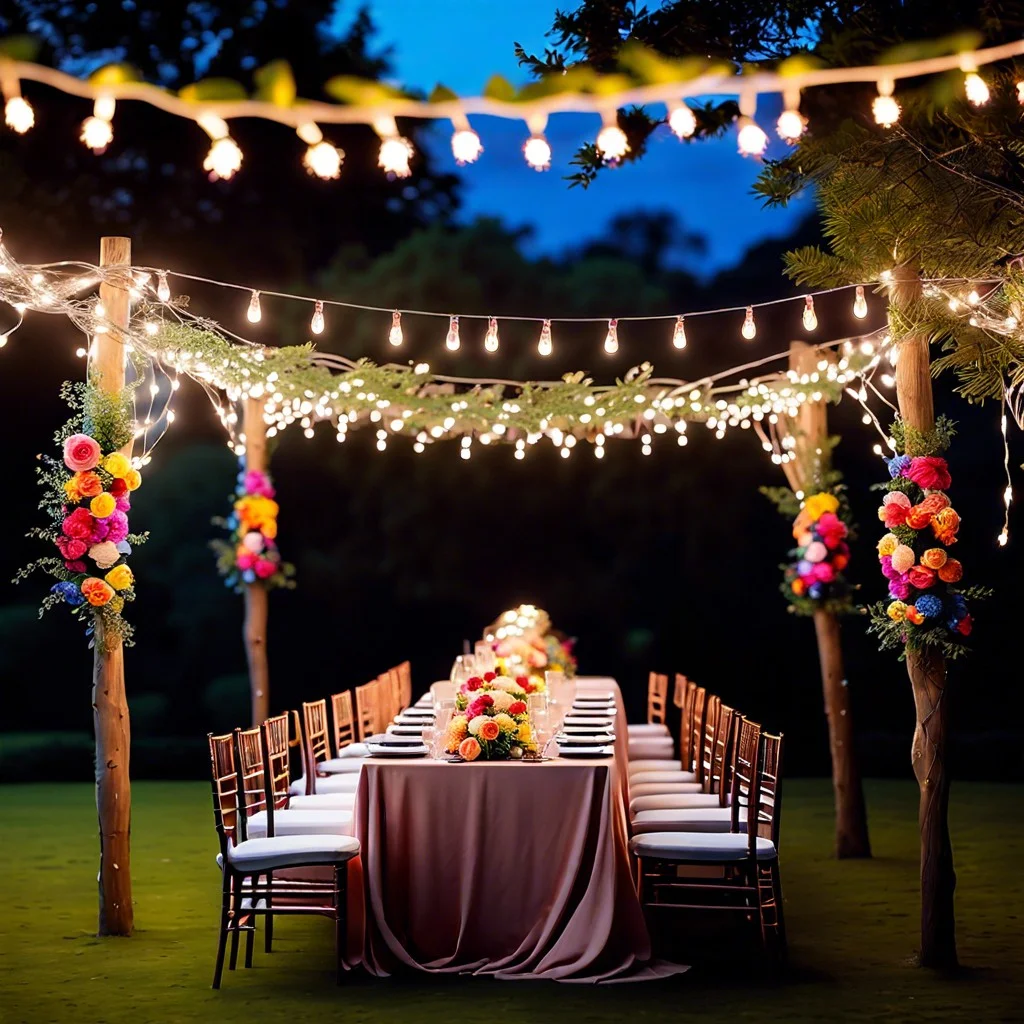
x=814, y=578
x=524, y=641
x=87, y=498
x=251, y=554
x=491, y=720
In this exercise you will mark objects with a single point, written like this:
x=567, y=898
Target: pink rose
x=929, y=472
x=816, y=552
x=81, y=452
x=253, y=540
x=71, y=548
x=887, y=570
x=245, y=559
x=921, y=576
x=118, y=529
x=123, y=503
x=258, y=483
x=831, y=529
x=899, y=588
x=264, y=568
x=823, y=573
x=78, y=524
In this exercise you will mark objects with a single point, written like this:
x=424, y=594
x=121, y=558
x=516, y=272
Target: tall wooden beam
x=109, y=702
x=254, y=629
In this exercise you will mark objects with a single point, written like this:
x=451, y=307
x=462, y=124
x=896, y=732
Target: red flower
x=517, y=707
x=78, y=524
x=921, y=577
x=473, y=683
x=486, y=700
x=75, y=566
x=965, y=625
x=118, y=488
x=70, y=548
x=489, y=677
x=929, y=472
x=831, y=529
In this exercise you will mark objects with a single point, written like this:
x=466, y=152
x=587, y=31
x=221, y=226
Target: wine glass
x=430, y=739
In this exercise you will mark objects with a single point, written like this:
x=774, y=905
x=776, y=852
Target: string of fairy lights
x=371, y=104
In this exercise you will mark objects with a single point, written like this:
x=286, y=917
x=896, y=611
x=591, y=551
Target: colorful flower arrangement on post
x=926, y=606
x=87, y=501
x=251, y=555
x=525, y=642
x=491, y=720
x=814, y=579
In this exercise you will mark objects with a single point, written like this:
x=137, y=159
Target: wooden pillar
x=110, y=705
x=254, y=629
x=809, y=430
x=927, y=671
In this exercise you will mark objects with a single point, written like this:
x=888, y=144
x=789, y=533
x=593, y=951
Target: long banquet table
x=507, y=868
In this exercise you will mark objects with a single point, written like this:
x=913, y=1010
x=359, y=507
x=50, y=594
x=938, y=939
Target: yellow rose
x=102, y=505
x=120, y=577
x=132, y=479
x=897, y=611
x=117, y=465
x=888, y=544
x=71, y=489
x=818, y=504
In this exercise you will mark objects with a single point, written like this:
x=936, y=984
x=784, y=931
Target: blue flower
x=124, y=548
x=249, y=576
x=897, y=465
x=70, y=592
x=959, y=606
x=815, y=591
x=929, y=606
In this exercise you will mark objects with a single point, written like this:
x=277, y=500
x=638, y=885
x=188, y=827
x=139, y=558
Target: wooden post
x=927, y=671
x=254, y=630
x=810, y=434
x=110, y=705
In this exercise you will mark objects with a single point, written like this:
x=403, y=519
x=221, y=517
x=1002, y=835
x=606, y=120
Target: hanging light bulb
x=679, y=334
x=224, y=159
x=612, y=143
x=884, y=106
x=466, y=145
x=395, y=334
x=452, y=342
x=254, y=314
x=395, y=154
x=974, y=85
x=860, y=304
x=97, y=131
x=611, y=339
x=810, y=318
x=791, y=122
x=750, y=137
x=681, y=120
x=544, y=346
x=163, y=291
x=19, y=114
x=316, y=322
x=491, y=337
x=537, y=152
x=1020, y=92
x=321, y=158
x=749, y=328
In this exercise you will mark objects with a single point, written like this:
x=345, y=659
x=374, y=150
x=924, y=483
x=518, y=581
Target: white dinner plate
x=419, y=750
x=584, y=739
x=396, y=729
x=593, y=712
x=593, y=751
x=604, y=695
x=417, y=713
x=391, y=739
x=589, y=728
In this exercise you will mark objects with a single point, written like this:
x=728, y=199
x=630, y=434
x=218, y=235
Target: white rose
x=476, y=724
x=502, y=700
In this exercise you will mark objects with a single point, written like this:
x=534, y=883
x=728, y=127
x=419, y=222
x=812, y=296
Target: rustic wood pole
x=254, y=630
x=927, y=671
x=810, y=434
x=109, y=703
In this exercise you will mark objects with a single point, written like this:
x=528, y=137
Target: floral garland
x=814, y=578
x=926, y=606
x=251, y=554
x=87, y=501
x=491, y=720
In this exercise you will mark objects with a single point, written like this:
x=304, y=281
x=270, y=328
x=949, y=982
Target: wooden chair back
x=229, y=823
x=725, y=735
x=657, y=698
x=405, y=684
x=769, y=788
x=695, y=713
x=344, y=721
x=277, y=759
x=679, y=691
x=252, y=777
x=366, y=709
x=744, y=775
x=686, y=751
x=389, y=698
x=712, y=708
x=318, y=744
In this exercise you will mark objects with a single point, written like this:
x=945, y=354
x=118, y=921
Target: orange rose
x=945, y=526
x=952, y=571
x=920, y=577
x=96, y=591
x=88, y=484
x=918, y=518
x=798, y=587
x=489, y=730
x=913, y=615
x=934, y=558
x=469, y=749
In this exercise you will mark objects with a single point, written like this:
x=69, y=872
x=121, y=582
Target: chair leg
x=250, y=938
x=222, y=938
x=779, y=915
x=236, y=919
x=268, y=938
x=340, y=918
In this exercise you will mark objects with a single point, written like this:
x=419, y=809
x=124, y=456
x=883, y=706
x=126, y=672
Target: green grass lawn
x=852, y=928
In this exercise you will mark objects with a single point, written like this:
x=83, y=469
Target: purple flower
x=101, y=530
x=123, y=503
x=257, y=482
x=887, y=570
x=898, y=465
x=899, y=588
x=118, y=530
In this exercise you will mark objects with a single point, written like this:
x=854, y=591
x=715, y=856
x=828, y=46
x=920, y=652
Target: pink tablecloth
x=504, y=868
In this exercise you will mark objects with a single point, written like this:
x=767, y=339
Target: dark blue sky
x=462, y=42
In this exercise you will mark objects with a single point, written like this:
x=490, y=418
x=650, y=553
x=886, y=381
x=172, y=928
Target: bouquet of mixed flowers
x=814, y=579
x=491, y=720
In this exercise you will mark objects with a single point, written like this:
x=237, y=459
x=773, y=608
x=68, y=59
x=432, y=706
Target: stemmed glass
x=445, y=711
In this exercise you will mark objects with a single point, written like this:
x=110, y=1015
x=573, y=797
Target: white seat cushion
x=291, y=851
x=323, y=802
x=657, y=764
x=650, y=749
x=354, y=750
x=674, y=801
x=707, y=819
x=677, y=775
x=698, y=847
x=659, y=788
x=339, y=765
x=645, y=730
x=302, y=822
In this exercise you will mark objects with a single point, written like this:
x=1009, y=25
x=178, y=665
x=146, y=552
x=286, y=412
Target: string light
x=974, y=85
x=395, y=150
x=860, y=303
x=316, y=322
x=254, y=314
x=321, y=158
x=537, y=152
x=452, y=342
x=750, y=137
x=791, y=122
x=18, y=114
x=395, y=334
x=163, y=291
x=611, y=339
x=224, y=157
x=679, y=334
x=1004, y=534
x=749, y=328
x=466, y=145
x=491, y=337
x=97, y=131
x=884, y=106
x=612, y=143
x=681, y=120
x=544, y=346
x=809, y=317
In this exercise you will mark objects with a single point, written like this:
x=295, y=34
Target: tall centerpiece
x=491, y=720
x=526, y=644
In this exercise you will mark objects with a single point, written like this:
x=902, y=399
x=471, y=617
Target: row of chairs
x=268, y=823
x=705, y=824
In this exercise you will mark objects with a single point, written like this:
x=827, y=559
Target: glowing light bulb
x=323, y=160
x=254, y=314
x=884, y=106
x=975, y=89
x=224, y=159
x=749, y=328
x=790, y=125
x=679, y=334
x=491, y=337
x=316, y=323
x=466, y=146
x=544, y=346
x=163, y=291
x=395, y=334
x=452, y=342
x=612, y=143
x=860, y=304
x=681, y=121
x=611, y=339
x=1020, y=92
x=537, y=152
x=973, y=297
x=751, y=138
x=96, y=133
x=395, y=154
x=19, y=114
x=810, y=319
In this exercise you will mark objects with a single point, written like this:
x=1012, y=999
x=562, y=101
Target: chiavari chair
x=405, y=684
x=666, y=772
x=689, y=744
x=345, y=744
x=366, y=710
x=277, y=761
x=324, y=773
x=247, y=866
x=657, y=699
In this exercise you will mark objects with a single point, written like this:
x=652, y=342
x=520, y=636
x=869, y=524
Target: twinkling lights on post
x=97, y=131
x=749, y=328
x=884, y=106
x=611, y=339
x=395, y=334
x=679, y=333
x=975, y=87
x=860, y=303
x=254, y=314
x=452, y=342
x=491, y=337
x=681, y=120
x=1004, y=534
x=544, y=345
x=316, y=322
